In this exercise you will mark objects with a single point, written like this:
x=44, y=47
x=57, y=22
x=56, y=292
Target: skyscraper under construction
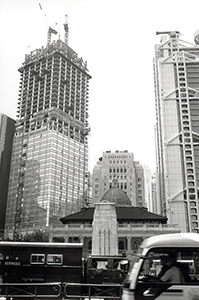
x=176, y=68
x=50, y=149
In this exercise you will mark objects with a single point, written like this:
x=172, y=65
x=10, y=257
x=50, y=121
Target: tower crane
x=50, y=29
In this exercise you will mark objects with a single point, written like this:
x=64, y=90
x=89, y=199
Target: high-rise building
x=176, y=69
x=50, y=149
x=119, y=166
x=7, y=126
x=148, y=178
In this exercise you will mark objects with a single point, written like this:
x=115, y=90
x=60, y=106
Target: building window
x=89, y=245
x=121, y=245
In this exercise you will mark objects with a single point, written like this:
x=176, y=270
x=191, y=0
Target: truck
x=56, y=270
x=143, y=281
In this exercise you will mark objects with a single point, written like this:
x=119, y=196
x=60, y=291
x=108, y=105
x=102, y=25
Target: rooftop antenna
x=66, y=30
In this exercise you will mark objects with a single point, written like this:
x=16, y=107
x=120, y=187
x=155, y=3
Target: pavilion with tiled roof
x=115, y=214
x=124, y=214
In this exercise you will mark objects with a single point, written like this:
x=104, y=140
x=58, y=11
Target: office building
x=176, y=70
x=119, y=165
x=50, y=149
x=7, y=126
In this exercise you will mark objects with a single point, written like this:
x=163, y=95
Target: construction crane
x=50, y=29
x=66, y=30
x=171, y=33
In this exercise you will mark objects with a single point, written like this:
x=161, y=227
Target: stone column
x=104, y=237
x=128, y=244
x=81, y=239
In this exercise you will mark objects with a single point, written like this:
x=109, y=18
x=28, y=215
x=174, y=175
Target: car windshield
x=186, y=259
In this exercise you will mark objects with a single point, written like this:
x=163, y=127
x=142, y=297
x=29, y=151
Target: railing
x=30, y=290
x=104, y=291
x=57, y=290
x=147, y=226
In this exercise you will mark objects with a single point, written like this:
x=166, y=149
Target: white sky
x=117, y=39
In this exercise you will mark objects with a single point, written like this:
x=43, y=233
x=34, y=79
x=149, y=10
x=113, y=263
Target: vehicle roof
x=174, y=240
x=107, y=256
x=42, y=244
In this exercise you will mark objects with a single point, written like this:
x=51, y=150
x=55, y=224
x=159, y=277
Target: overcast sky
x=116, y=38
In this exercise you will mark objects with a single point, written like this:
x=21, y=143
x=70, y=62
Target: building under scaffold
x=176, y=68
x=50, y=149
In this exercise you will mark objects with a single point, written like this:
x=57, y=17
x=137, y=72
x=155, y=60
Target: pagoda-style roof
x=124, y=214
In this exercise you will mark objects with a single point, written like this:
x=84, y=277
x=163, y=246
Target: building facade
x=119, y=165
x=7, y=126
x=50, y=149
x=176, y=70
x=112, y=227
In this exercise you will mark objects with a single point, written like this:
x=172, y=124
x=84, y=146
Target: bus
x=143, y=283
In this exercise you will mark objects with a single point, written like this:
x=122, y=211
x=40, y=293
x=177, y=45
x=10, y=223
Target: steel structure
x=176, y=69
x=50, y=149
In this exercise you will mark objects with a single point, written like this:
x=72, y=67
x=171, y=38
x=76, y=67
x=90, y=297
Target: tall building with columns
x=50, y=148
x=176, y=66
x=119, y=165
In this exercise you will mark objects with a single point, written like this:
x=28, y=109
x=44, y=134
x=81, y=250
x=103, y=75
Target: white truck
x=143, y=281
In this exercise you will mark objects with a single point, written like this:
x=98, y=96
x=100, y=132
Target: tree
x=37, y=236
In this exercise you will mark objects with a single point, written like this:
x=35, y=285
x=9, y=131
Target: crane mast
x=66, y=30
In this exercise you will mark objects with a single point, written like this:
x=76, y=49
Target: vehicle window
x=99, y=264
x=164, y=268
x=158, y=262
x=37, y=258
x=116, y=264
x=123, y=265
x=54, y=259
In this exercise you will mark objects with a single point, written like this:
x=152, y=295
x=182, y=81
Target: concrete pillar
x=81, y=239
x=128, y=244
x=104, y=237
